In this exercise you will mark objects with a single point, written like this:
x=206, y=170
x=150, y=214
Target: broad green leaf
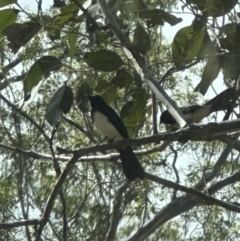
x=132, y=114
x=102, y=85
x=155, y=17
x=141, y=40
x=72, y=40
x=133, y=7
x=67, y=100
x=187, y=44
x=104, y=60
x=122, y=79
x=28, y=98
x=210, y=73
x=60, y=103
x=7, y=17
x=68, y=8
x=41, y=67
x=20, y=34
x=110, y=94
x=231, y=38
x=218, y=8
x=81, y=99
x=57, y=23
x=214, y=8
x=4, y=3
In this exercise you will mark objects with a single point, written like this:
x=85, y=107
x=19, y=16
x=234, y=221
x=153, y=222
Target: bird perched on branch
x=109, y=124
x=195, y=113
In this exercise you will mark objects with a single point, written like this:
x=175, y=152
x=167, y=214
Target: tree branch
x=140, y=67
x=183, y=204
x=116, y=213
x=26, y=117
x=19, y=224
x=54, y=193
x=193, y=133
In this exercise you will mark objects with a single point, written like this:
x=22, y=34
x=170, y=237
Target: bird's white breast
x=105, y=127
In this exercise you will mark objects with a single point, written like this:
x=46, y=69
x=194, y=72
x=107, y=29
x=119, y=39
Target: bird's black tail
x=223, y=101
x=131, y=166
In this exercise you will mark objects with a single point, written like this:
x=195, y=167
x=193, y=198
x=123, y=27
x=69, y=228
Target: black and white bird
x=109, y=124
x=226, y=100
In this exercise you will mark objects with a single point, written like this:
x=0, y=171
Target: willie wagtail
x=109, y=124
x=195, y=113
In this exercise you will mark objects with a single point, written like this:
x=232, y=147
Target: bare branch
x=183, y=204
x=116, y=213
x=232, y=179
x=216, y=168
x=80, y=128
x=26, y=117
x=55, y=191
x=175, y=170
x=19, y=224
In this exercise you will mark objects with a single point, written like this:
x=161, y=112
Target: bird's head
x=167, y=118
x=96, y=101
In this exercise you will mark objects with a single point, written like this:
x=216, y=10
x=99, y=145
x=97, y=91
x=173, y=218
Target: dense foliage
x=57, y=182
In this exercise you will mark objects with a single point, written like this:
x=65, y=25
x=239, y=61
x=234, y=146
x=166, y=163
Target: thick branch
x=183, y=204
x=116, y=214
x=209, y=176
x=19, y=224
x=234, y=178
x=140, y=67
x=204, y=132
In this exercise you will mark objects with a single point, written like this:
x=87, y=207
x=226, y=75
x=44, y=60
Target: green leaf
x=102, y=85
x=67, y=100
x=81, y=99
x=187, y=44
x=214, y=8
x=122, y=79
x=41, y=67
x=133, y=7
x=57, y=23
x=20, y=34
x=132, y=114
x=157, y=17
x=141, y=40
x=217, y=8
x=210, y=73
x=110, y=94
x=104, y=60
x=60, y=103
x=7, y=17
x=4, y=3
x=68, y=8
x=231, y=38
x=72, y=40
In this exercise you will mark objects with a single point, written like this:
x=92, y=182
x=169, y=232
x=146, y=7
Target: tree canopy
x=58, y=180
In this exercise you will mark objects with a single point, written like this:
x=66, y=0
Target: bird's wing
x=223, y=100
x=197, y=113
